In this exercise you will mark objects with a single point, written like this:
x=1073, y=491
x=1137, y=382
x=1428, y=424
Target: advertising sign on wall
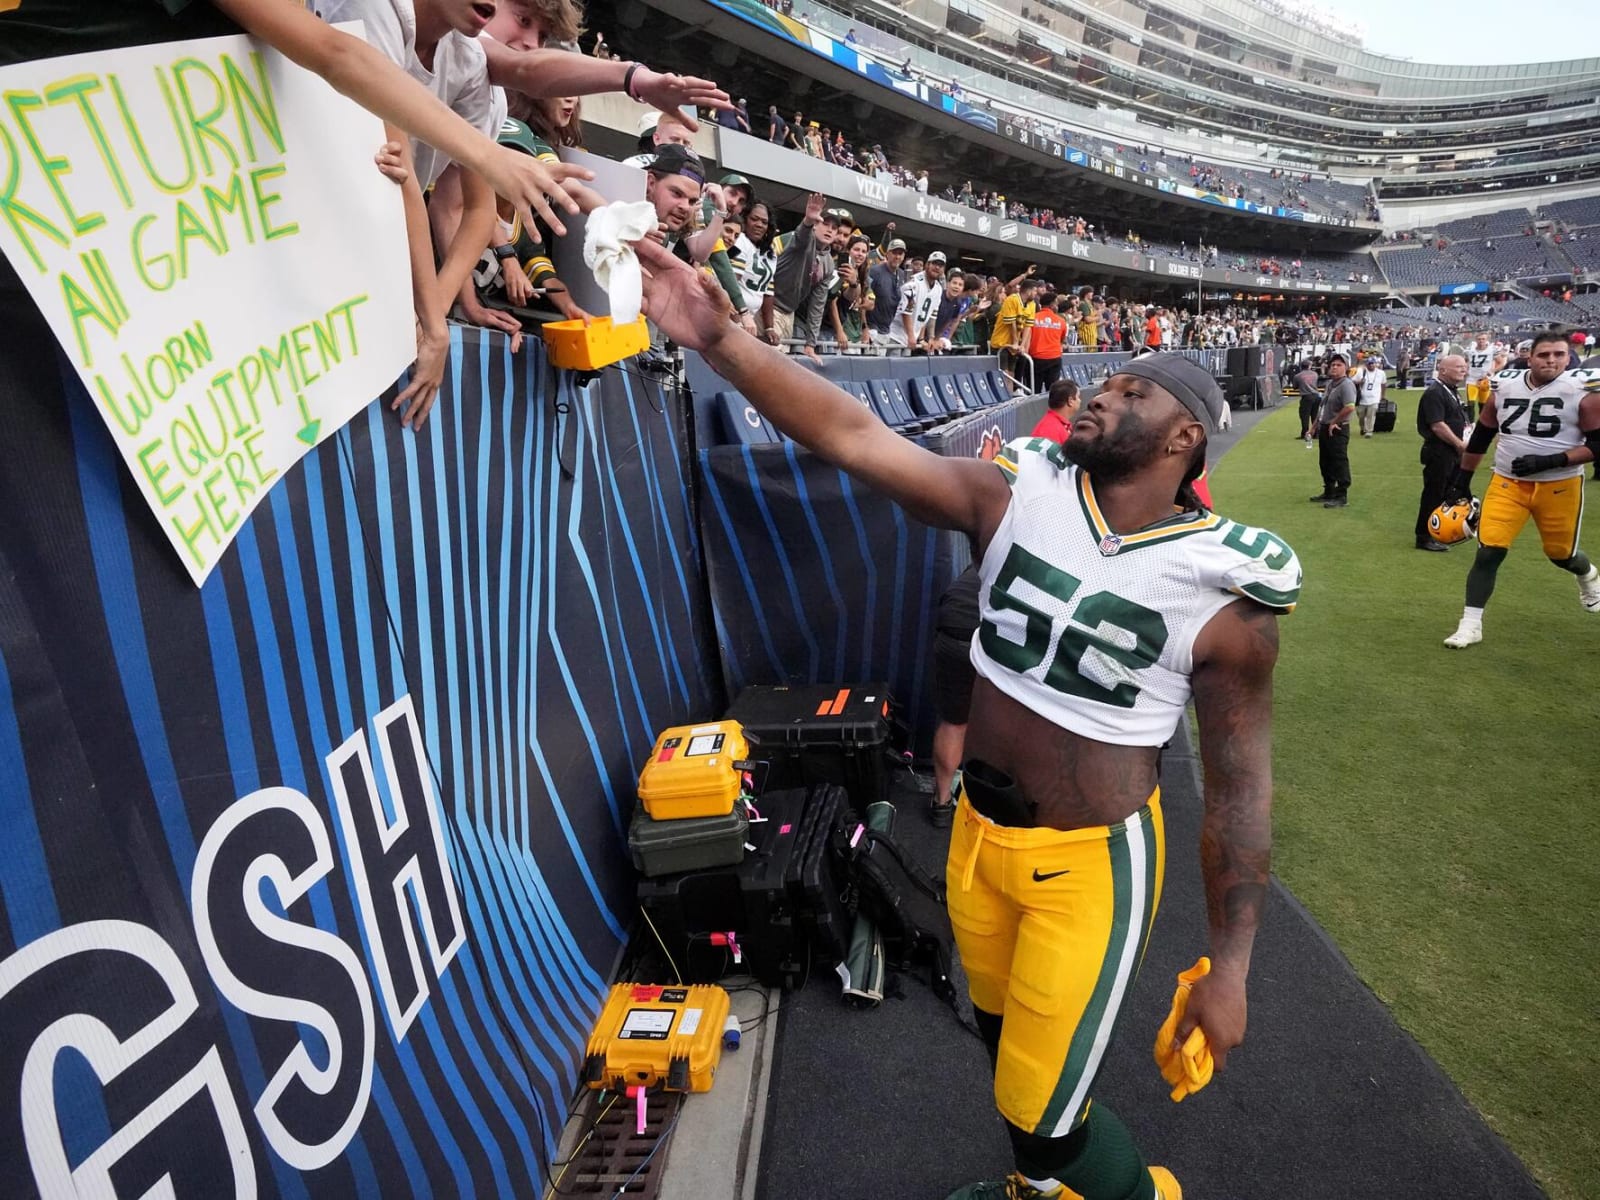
x=181, y=215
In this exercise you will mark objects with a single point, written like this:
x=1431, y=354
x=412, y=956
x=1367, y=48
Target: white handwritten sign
x=203, y=226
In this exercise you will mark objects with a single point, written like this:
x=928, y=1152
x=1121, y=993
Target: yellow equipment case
x=692, y=771
x=650, y=1036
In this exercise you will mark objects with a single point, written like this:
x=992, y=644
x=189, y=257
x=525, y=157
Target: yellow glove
x=1189, y=1067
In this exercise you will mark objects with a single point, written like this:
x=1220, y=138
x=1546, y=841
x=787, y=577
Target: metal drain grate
x=616, y=1152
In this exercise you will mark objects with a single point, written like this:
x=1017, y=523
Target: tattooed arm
x=1234, y=657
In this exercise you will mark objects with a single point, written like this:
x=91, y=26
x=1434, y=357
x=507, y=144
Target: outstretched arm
x=952, y=493
x=1232, y=682
x=362, y=73
x=544, y=73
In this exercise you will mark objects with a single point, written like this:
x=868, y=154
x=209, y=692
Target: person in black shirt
x=1442, y=422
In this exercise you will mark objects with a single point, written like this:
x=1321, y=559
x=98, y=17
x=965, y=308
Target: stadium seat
x=895, y=392
x=998, y=387
x=949, y=393
x=742, y=424
x=897, y=416
x=925, y=399
x=967, y=385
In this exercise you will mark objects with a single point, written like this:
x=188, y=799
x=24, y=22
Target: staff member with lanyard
x=1442, y=422
x=1333, y=434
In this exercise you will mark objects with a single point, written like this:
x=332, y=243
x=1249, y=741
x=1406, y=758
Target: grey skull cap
x=1190, y=384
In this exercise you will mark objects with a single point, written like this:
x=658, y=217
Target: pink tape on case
x=856, y=836
x=639, y=1096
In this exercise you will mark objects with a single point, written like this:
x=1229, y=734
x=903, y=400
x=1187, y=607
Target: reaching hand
x=561, y=300
x=672, y=93
x=492, y=318
x=416, y=399
x=687, y=304
x=814, y=203
x=586, y=198
x=518, y=290
x=391, y=160
x=530, y=186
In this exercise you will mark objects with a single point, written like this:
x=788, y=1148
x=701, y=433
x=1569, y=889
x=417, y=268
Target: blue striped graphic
x=113, y=558
x=515, y=605
x=798, y=606
x=25, y=882
x=752, y=597
x=825, y=560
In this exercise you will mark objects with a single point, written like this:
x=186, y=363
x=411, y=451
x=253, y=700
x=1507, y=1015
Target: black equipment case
x=823, y=733
x=780, y=904
x=1383, y=420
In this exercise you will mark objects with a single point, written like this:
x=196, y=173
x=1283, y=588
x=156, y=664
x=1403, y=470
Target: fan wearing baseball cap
x=676, y=184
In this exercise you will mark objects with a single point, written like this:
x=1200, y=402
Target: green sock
x=1101, y=1162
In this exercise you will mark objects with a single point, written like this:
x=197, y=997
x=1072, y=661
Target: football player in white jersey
x=1483, y=360
x=1545, y=422
x=1109, y=596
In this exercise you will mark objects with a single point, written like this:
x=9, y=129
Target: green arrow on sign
x=308, y=432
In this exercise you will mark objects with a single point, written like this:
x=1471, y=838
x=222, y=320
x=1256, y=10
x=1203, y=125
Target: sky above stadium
x=1473, y=32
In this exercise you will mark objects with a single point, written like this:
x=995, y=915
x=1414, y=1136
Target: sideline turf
x=1439, y=810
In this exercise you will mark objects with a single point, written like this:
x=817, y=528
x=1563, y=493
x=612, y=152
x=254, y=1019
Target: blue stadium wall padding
x=380, y=764
x=707, y=388
x=815, y=578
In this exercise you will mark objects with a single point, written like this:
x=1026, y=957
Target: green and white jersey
x=1479, y=362
x=1095, y=630
x=757, y=270
x=1539, y=420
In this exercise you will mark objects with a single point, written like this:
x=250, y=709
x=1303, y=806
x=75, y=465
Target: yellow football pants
x=1052, y=926
x=1556, y=506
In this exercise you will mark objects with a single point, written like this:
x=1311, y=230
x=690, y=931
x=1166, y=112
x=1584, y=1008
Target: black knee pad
x=1489, y=556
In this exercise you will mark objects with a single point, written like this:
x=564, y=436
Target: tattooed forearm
x=1233, y=695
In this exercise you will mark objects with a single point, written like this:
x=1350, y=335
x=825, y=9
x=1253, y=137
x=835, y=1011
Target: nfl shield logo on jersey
x=1110, y=544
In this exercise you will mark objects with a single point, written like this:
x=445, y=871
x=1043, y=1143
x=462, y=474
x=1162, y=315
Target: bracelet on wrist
x=627, y=80
x=504, y=251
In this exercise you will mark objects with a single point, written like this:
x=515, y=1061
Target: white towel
x=608, y=252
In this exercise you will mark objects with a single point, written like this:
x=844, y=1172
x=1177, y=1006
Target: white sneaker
x=1468, y=633
x=1589, y=591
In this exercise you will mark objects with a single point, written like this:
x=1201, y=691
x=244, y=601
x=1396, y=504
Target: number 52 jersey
x=1095, y=630
x=1539, y=420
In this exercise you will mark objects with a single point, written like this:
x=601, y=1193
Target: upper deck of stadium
x=1296, y=84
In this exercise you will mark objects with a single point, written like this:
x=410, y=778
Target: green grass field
x=1439, y=810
